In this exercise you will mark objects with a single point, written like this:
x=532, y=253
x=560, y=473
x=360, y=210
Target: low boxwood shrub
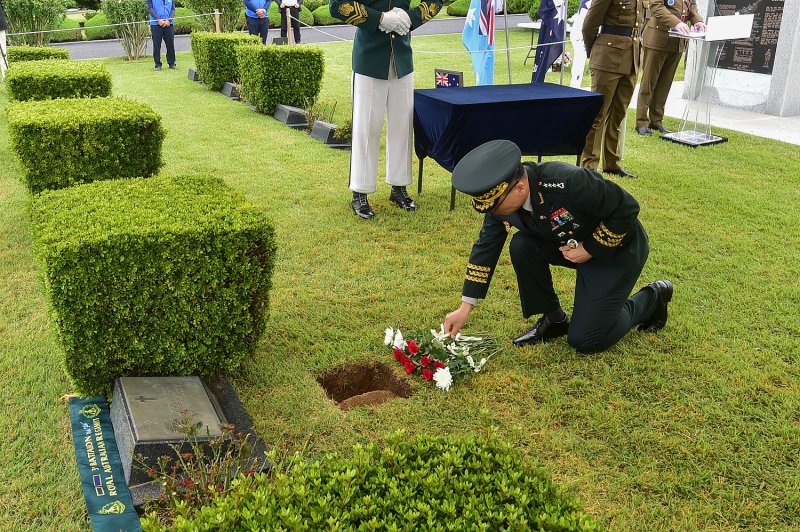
x=312, y=5
x=93, y=32
x=322, y=16
x=215, y=56
x=184, y=26
x=458, y=8
x=56, y=78
x=275, y=17
x=424, y=483
x=533, y=9
x=160, y=276
x=17, y=54
x=72, y=31
x=61, y=143
x=271, y=75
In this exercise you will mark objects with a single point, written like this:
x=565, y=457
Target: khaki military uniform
x=611, y=36
x=566, y=203
x=662, y=54
x=383, y=84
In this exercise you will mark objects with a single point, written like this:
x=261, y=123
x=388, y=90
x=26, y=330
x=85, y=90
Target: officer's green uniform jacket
x=663, y=17
x=568, y=203
x=610, y=52
x=373, y=49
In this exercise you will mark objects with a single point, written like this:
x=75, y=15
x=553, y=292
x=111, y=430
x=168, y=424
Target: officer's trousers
x=372, y=98
x=603, y=312
x=659, y=70
x=617, y=90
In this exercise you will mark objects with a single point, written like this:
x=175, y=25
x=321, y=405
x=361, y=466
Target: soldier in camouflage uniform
x=564, y=216
x=383, y=83
x=662, y=54
x=611, y=36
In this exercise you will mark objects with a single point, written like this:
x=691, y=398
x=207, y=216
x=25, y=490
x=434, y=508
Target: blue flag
x=553, y=14
x=478, y=38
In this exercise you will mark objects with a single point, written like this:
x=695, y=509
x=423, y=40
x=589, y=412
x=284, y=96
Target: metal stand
x=695, y=128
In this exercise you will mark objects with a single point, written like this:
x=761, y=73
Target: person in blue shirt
x=162, y=13
x=256, y=15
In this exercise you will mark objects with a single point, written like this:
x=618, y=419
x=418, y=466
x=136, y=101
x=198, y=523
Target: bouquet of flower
x=439, y=358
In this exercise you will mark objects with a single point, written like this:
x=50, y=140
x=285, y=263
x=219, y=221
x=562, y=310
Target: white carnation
x=387, y=340
x=443, y=379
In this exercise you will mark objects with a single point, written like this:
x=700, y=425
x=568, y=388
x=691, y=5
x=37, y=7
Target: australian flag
x=447, y=79
x=478, y=38
x=553, y=14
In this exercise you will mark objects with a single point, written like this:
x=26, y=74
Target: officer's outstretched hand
x=454, y=321
x=579, y=255
x=682, y=27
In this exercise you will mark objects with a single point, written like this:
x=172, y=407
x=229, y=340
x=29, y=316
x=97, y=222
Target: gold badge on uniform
x=346, y=9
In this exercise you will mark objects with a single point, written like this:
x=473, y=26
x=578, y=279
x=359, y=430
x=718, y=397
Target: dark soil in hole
x=363, y=384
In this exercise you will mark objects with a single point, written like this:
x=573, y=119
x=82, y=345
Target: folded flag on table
x=478, y=38
x=553, y=14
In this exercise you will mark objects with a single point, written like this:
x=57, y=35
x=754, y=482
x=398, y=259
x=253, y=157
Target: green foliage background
x=134, y=36
x=33, y=15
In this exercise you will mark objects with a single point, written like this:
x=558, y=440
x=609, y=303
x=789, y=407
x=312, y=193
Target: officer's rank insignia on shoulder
x=553, y=184
x=428, y=10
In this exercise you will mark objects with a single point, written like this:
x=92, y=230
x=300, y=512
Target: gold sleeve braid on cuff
x=356, y=13
x=428, y=10
x=606, y=237
x=478, y=274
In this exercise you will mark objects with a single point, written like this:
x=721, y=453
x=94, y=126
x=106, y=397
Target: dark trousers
x=258, y=26
x=603, y=313
x=168, y=36
x=295, y=13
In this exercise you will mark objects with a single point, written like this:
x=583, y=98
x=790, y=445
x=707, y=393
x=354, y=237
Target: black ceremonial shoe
x=658, y=319
x=361, y=206
x=621, y=172
x=400, y=197
x=644, y=131
x=544, y=331
x=661, y=128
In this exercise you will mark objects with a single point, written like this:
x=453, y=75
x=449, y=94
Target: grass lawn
x=694, y=428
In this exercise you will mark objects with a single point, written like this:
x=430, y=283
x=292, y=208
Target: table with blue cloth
x=541, y=118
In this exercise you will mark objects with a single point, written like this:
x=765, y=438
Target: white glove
x=403, y=16
x=392, y=22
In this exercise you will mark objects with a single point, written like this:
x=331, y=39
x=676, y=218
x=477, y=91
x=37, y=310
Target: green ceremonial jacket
x=568, y=203
x=373, y=50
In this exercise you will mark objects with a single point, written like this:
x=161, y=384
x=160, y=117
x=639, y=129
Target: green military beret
x=485, y=172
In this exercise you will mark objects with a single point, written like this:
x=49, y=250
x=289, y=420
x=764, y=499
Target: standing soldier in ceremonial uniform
x=662, y=54
x=565, y=216
x=383, y=83
x=614, y=63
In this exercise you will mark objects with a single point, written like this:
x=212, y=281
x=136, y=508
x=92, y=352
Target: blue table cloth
x=542, y=119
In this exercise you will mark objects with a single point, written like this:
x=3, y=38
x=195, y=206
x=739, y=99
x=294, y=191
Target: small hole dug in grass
x=363, y=385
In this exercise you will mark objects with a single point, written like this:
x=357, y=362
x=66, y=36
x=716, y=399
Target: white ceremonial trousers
x=3, y=54
x=372, y=98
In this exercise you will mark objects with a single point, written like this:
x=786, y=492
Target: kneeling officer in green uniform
x=565, y=216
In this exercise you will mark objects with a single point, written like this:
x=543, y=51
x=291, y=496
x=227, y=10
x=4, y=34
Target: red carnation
x=427, y=374
x=413, y=348
x=426, y=361
x=409, y=367
x=438, y=365
x=398, y=354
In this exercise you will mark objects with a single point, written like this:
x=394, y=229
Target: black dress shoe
x=658, y=319
x=661, y=128
x=644, y=131
x=361, y=206
x=400, y=197
x=621, y=172
x=544, y=331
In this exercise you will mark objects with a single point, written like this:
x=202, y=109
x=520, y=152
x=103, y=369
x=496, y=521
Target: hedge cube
x=270, y=75
x=147, y=277
x=215, y=56
x=61, y=143
x=35, y=53
x=53, y=78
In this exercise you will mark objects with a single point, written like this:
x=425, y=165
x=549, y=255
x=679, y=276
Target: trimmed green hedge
x=72, y=32
x=322, y=16
x=313, y=5
x=61, y=143
x=425, y=483
x=160, y=276
x=35, y=53
x=184, y=26
x=274, y=16
x=93, y=33
x=271, y=75
x=458, y=8
x=215, y=56
x=56, y=78
x=533, y=9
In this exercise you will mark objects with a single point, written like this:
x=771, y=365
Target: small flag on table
x=446, y=78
